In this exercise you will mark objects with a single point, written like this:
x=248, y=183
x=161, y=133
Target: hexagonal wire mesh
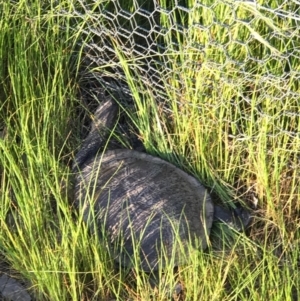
x=230, y=51
x=254, y=48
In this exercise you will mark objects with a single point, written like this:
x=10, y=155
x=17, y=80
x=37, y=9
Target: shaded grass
x=235, y=131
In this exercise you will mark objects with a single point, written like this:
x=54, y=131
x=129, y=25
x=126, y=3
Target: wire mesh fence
x=241, y=53
x=251, y=47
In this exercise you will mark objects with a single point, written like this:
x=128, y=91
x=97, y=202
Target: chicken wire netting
x=242, y=53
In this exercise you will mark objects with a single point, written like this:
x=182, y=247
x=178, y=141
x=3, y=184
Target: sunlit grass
x=236, y=130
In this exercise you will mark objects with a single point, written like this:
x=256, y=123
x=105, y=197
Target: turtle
x=141, y=201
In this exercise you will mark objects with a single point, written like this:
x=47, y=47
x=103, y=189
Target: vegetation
x=229, y=115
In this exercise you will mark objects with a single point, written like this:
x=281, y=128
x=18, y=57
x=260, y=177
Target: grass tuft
x=230, y=117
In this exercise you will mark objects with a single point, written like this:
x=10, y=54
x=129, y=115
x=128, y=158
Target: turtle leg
x=103, y=122
x=239, y=218
x=175, y=291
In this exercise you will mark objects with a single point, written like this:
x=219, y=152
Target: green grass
x=233, y=123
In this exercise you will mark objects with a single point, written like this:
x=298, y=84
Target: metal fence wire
x=233, y=51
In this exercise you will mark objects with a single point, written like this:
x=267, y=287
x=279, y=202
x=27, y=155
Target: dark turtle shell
x=144, y=203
